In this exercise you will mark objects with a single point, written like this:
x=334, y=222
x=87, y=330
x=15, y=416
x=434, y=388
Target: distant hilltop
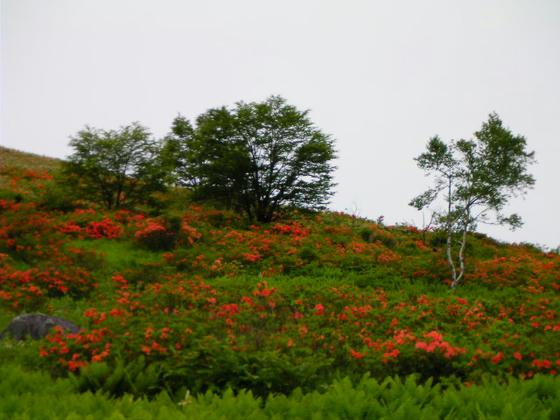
x=16, y=159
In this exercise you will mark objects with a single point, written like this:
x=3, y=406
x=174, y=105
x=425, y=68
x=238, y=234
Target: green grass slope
x=16, y=159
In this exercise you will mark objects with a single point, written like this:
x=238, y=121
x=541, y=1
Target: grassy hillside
x=10, y=158
x=15, y=159
x=186, y=298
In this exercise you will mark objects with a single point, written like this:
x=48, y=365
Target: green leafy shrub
x=373, y=235
x=58, y=197
x=308, y=254
x=7, y=195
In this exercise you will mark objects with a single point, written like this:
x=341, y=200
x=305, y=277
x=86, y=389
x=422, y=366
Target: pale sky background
x=381, y=77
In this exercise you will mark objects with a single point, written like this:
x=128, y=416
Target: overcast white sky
x=381, y=77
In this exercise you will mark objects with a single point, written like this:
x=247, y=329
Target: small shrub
x=308, y=254
x=11, y=196
x=372, y=236
x=173, y=223
x=58, y=197
x=156, y=237
x=438, y=239
x=148, y=273
x=104, y=229
x=365, y=234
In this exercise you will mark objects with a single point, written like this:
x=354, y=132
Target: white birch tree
x=476, y=179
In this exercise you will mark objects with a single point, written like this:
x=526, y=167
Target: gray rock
x=36, y=326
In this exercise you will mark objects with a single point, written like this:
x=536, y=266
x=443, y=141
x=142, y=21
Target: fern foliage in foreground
x=35, y=395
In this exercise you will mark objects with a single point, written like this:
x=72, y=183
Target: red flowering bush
x=28, y=290
x=154, y=236
x=104, y=229
x=189, y=234
x=71, y=228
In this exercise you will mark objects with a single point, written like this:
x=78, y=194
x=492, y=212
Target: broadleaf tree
x=116, y=167
x=256, y=158
x=175, y=151
x=476, y=179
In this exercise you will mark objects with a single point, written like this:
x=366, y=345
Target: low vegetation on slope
x=182, y=297
x=12, y=158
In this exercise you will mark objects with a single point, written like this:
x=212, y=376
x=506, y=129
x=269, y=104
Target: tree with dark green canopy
x=175, y=151
x=255, y=158
x=477, y=178
x=116, y=167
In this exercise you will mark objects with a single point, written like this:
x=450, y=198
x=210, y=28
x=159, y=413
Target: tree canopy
x=477, y=178
x=254, y=157
x=116, y=167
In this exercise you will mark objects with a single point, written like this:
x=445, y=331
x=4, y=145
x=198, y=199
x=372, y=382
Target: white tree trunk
x=457, y=278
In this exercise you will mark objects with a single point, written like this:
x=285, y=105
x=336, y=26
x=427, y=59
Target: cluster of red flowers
x=190, y=233
x=104, y=229
x=294, y=229
x=149, y=227
x=436, y=343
